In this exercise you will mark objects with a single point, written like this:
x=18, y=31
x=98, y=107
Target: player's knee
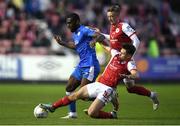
x=92, y=113
x=70, y=88
x=73, y=96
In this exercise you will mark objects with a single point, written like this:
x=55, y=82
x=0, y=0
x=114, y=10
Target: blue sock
x=72, y=107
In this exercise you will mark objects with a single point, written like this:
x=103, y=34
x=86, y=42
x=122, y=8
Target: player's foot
x=47, y=107
x=70, y=116
x=114, y=114
x=155, y=101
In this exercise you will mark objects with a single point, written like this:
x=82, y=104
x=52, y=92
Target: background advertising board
x=159, y=68
x=37, y=68
x=10, y=67
x=59, y=68
x=47, y=67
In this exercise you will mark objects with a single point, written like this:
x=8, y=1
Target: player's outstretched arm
x=100, y=39
x=99, y=31
x=134, y=75
x=106, y=36
x=97, y=37
x=70, y=45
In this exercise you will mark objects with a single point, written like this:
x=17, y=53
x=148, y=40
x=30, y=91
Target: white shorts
x=100, y=91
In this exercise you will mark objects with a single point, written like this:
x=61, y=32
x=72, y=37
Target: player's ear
x=77, y=22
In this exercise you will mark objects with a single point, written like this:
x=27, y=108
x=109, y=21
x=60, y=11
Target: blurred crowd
x=27, y=26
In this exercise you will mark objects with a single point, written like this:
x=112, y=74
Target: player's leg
x=95, y=111
x=95, y=108
x=140, y=90
x=72, y=84
x=103, y=95
x=82, y=93
x=86, y=75
x=133, y=88
x=85, y=81
x=89, y=76
x=90, y=73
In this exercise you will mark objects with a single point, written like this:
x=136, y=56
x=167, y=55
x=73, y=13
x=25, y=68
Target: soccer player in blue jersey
x=88, y=68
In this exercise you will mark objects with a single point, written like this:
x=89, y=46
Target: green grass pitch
x=17, y=102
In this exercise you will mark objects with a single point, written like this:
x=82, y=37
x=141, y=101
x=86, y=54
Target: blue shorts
x=89, y=73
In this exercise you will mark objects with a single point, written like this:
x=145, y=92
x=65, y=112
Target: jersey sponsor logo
x=114, y=40
x=112, y=35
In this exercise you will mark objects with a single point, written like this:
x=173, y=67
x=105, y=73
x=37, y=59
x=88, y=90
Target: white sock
x=68, y=93
x=72, y=113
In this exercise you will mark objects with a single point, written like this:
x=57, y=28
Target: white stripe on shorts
x=91, y=73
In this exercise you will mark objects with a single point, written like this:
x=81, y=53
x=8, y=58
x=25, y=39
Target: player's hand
x=92, y=44
x=124, y=76
x=58, y=38
x=97, y=30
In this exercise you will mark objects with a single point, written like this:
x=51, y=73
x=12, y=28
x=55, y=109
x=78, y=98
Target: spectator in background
x=142, y=15
x=178, y=44
x=153, y=49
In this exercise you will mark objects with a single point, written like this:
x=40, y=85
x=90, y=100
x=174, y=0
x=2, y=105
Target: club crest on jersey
x=117, y=30
x=123, y=62
x=78, y=33
x=76, y=42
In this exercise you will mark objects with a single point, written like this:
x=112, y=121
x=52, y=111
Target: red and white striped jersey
x=119, y=34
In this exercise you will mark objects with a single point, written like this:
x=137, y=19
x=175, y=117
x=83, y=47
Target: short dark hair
x=130, y=49
x=73, y=16
x=114, y=8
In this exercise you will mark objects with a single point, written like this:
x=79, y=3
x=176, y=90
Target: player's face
x=124, y=55
x=112, y=17
x=72, y=24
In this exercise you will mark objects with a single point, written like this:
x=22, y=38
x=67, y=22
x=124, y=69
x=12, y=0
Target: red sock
x=139, y=90
x=104, y=115
x=62, y=102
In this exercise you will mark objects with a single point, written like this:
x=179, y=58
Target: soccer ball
x=40, y=112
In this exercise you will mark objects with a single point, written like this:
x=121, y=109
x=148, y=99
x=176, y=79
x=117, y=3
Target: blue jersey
x=82, y=38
